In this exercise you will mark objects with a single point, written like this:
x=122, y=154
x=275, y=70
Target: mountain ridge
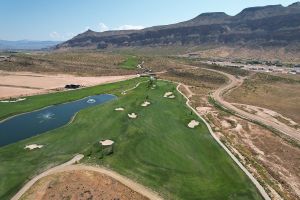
x=263, y=26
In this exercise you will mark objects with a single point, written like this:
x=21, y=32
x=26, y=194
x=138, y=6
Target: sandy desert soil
x=14, y=84
x=80, y=184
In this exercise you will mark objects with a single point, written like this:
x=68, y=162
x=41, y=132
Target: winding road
x=233, y=83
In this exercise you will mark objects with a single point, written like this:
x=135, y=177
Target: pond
x=34, y=123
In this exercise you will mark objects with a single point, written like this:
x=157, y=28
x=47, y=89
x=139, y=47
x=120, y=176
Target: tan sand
x=193, y=124
x=14, y=84
x=167, y=94
x=132, y=116
x=33, y=146
x=203, y=110
x=146, y=103
x=106, y=142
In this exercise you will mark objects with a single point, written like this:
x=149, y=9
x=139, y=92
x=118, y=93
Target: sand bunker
x=169, y=95
x=13, y=101
x=132, y=115
x=119, y=109
x=33, y=146
x=106, y=142
x=193, y=124
x=146, y=103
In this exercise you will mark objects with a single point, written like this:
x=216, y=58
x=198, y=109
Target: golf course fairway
x=157, y=149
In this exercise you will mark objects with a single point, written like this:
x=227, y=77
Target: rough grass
x=130, y=63
x=157, y=149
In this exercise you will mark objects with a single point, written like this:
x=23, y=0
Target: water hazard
x=34, y=123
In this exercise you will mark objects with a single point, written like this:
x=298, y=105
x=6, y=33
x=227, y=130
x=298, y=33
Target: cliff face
x=258, y=26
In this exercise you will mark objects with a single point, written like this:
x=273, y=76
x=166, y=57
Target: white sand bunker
x=146, y=103
x=169, y=95
x=13, y=101
x=33, y=146
x=119, y=109
x=193, y=124
x=106, y=142
x=132, y=115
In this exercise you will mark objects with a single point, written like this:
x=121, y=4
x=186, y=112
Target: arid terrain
x=276, y=93
x=80, y=184
x=16, y=84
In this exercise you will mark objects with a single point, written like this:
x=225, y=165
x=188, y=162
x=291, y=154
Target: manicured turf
x=157, y=149
x=130, y=63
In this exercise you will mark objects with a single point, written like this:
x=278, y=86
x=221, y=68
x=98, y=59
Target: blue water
x=34, y=123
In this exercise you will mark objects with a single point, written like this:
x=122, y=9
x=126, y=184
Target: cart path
x=69, y=166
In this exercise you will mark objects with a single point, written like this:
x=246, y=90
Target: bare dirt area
x=284, y=54
x=80, y=184
x=272, y=160
x=15, y=84
x=268, y=114
x=281, y=94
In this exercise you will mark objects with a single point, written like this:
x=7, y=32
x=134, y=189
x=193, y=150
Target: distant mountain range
x=26, y=44
x=273, y=25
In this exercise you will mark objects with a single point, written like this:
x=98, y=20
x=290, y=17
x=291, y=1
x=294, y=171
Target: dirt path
x=254, y=181
x=233, y=83
x=188, y=90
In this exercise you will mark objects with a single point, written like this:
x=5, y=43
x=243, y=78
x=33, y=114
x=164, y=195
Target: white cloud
x=130, y=27
x=55, y=35
x=70, y=35
x=58, y=36
x=103, y=27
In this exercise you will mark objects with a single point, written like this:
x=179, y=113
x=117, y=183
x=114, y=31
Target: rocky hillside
x=273, y=25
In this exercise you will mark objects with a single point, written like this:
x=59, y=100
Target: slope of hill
x=273, y=25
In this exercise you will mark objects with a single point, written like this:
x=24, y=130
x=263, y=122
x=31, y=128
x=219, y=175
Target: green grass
x=157, y=149
x=130, y=63
x=40, y=101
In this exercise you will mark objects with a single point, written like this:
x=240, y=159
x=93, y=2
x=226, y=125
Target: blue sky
x=62, y=19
